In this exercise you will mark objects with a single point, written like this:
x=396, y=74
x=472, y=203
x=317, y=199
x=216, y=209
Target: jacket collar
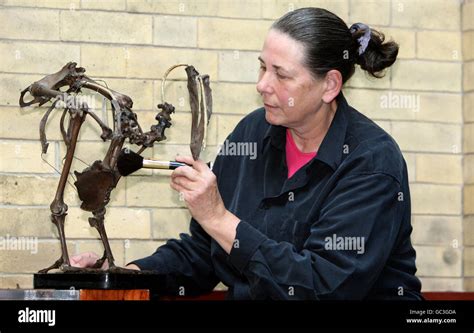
x=331, y=149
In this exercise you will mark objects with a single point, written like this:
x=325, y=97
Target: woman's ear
x=333, y=83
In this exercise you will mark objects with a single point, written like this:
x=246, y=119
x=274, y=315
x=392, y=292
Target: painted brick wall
x=425, y=102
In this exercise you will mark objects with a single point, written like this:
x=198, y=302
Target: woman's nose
x=264, y=84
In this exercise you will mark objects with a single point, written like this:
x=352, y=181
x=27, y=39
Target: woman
x=323, y=211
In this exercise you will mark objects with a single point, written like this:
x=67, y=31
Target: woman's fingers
x=184, y=183
x=176, y=187
x=185, y=159
x=185, y=171
x=105, y=265
x=84, y=260
x=200, y=166
x=197, y=165
x=133, y=266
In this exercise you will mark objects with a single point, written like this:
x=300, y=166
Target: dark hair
x=329, y=43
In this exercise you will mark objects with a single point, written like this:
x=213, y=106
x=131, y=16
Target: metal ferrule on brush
x=152, y=164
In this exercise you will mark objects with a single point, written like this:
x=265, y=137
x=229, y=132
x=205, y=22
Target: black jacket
x=339, y=228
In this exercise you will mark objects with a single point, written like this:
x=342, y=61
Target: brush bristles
x=128, y=162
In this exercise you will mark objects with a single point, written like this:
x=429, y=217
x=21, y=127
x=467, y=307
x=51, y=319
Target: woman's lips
x=269, y=106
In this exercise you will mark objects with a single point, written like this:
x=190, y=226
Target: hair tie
x=364, y=39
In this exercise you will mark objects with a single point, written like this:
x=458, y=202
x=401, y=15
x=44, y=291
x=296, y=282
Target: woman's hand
x=88, y=260
x=198, y=187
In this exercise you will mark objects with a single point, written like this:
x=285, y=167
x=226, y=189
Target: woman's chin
x=271, y=118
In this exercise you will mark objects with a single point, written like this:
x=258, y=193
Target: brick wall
x=425, y=102
x=468, y=149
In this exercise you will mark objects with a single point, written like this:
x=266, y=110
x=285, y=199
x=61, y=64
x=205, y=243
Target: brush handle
x=167, y=165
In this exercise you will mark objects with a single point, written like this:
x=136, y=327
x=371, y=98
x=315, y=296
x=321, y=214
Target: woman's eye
x=281, y=77
x=262, y=68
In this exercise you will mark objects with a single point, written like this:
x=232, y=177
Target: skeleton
x=95, y=183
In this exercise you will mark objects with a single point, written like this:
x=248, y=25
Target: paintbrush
x=128, y=162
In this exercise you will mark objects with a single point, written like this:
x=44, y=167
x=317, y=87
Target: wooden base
x=75, y=294
x=114, y=295
x=448, y=296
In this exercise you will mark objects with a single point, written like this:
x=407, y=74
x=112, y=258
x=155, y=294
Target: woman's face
x=290, y=93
